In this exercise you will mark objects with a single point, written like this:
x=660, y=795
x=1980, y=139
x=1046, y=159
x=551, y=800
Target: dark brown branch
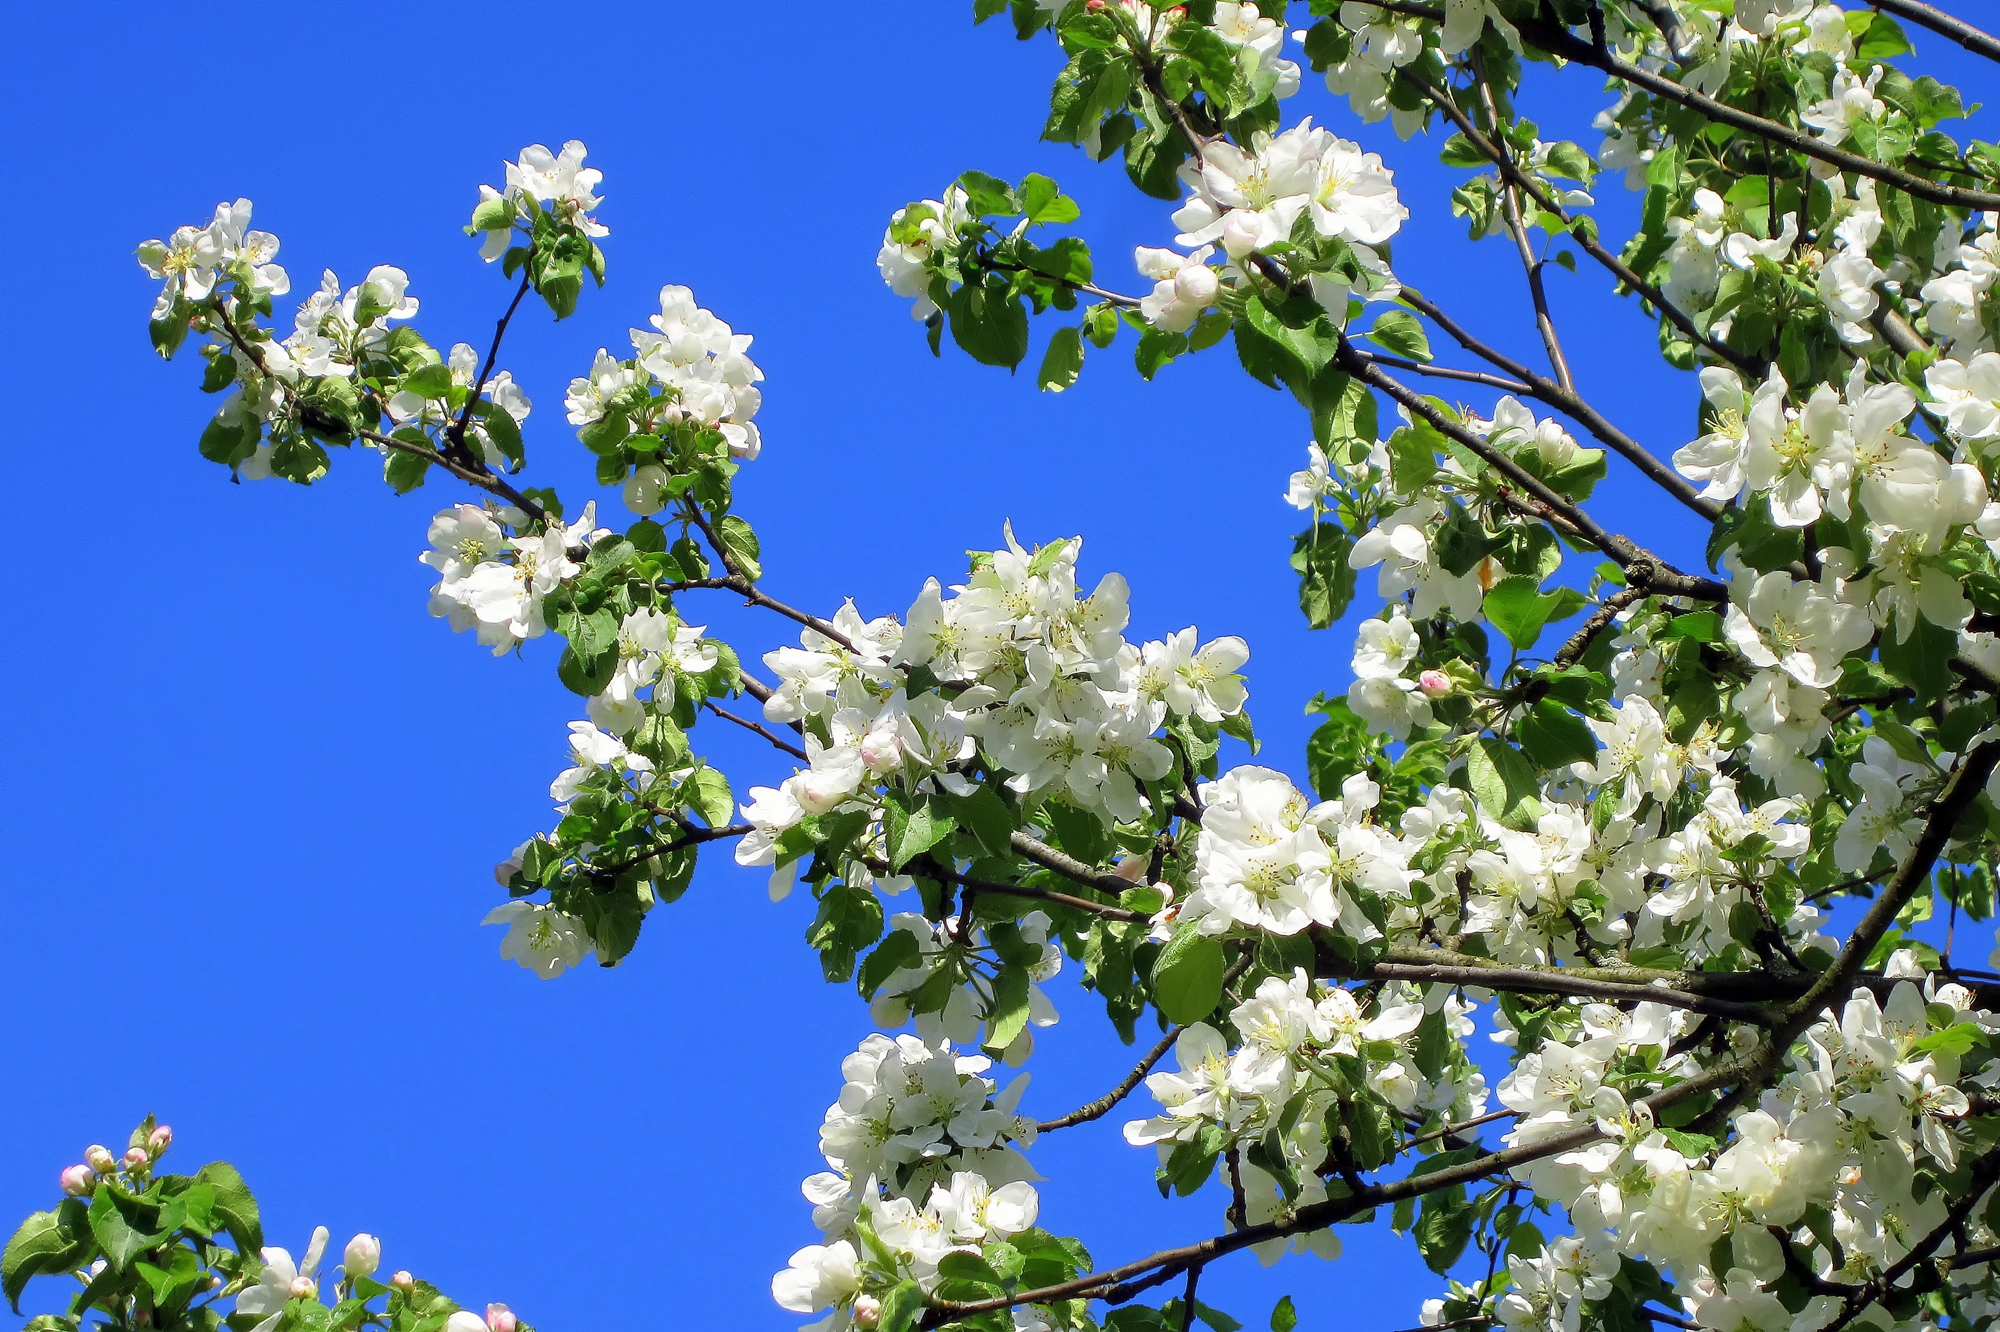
x=1510, y=204
x=455, y=435
x=1560, y=41
x=1102, y=1106
x=1642, y=568
x=1121, y=1281
x=1600, y=619
x=1067, y=865
x=757, y=729
x=935, y=870
x=473, y=473
x=1480, y=377
x=690, y=836
x=1929, y=16
x=1575, y=982
x=1960, y=790
x=1581, y=230
x=1573, y=405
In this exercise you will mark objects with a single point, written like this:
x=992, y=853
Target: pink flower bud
x=404, y=1282
x=136, y=1156
x=100, y=1159
x=867, y=1311
x=303, y=1288
x=78, y=1181
x=362, y=1256
x=1196, y=284
x=499, y=1318
x=160, y=1139
x=1435, y=684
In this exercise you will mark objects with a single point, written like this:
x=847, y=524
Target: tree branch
x=1570, y=404
x=1582, y=230
x=455, y=434
x=757, y=729
x=1119, y=1281
x=1102, y=1106
x=1643, y=568
x=1929, y=16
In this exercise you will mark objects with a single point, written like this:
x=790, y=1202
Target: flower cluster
x=1033, y=682
x=924, y=1163
x=495, y=582
x=1306, y=1049
x=1864, y=1100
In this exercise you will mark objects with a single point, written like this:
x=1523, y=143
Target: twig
x=1600, y=619
x=1585, y=234
x=757, y=729
x=1643, y=569
x=1929, y=16
x=1102, y=1106
x=456, y=432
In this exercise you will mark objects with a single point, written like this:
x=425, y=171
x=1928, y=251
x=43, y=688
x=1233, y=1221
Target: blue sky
x=256, y=791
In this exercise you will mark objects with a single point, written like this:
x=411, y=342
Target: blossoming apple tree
x=1671, y=856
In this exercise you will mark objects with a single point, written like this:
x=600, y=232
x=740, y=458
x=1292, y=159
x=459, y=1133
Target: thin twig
x=757, y=729
x=1929, y=16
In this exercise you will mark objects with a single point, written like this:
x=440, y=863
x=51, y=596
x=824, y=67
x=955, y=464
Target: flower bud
x=867, y=1311
x=1196, y=284
x=136, y=1156
x=100, y=1159
x=159, y=1140
x=1435, y=684
x=404, y=1282
x=78, y=1181
x=499, y=1318
x=362, y=1256
x=304, y=1288
x=1241, y=234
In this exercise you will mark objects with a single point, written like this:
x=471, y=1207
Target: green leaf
x=988, y=196
x=849, y=919
x=428, y=381
x=605, y=434
x=1518, y=610
x=1338, y=749
x=1284, y=1317
x=591, y=657
x=1553, y=737
x=913, y=828
x=989, y=322
x=1041, y=201
x=47, y=1242
x=1693, y=1146
x=1399, y=332
x=234, y=1206
x=986, y=816
x=505, y=433
x=894, y=953
x=1009, y=1015
x=1443, y=1228
x=125, y=1228
x=1187, y=976
x=1326, y=579
x=708, y=795
x=739, y=542
x=493, y=215
x=1504, y=782
x=1156, y=349
x=901, y=1308
x=405, y=471
x=1063, y=360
